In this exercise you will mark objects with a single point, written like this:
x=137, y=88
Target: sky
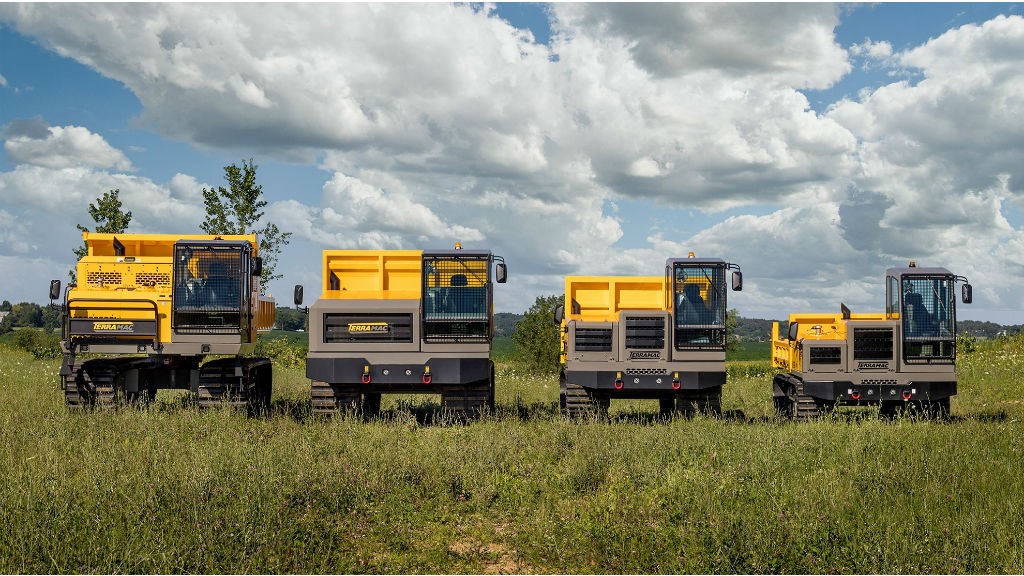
x=814, y=145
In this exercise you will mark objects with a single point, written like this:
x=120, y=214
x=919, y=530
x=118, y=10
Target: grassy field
x=169, y=489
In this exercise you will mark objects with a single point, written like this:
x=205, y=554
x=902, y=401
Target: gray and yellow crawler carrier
x=406, y=322
x=153, y=306
x=654, y=337
x=900, y=360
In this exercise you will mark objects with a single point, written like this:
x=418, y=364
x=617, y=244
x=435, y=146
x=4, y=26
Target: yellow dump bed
x=372, y=274
x=811, y=326
x=601, y=298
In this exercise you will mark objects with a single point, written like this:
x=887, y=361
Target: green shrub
x=282, y=352
x=537, y=338
x=39, y=344
x=965, y=344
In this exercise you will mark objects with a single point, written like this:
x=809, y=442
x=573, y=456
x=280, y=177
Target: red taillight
x=907, y=395
x=427, y=378
x=366, y=378
x=676, y=385
x=855, y=396
x=618, y=384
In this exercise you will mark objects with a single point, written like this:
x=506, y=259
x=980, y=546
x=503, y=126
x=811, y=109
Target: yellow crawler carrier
x=900, y=359
x=403, y=321
x=658, y=337
x=154, y=305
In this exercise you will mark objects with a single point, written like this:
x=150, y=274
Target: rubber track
x=707, y=401
x=576, y=401
x=92, y=385
x=470, y=400
x=801, y=406
x=330, y=398
x=219, y=384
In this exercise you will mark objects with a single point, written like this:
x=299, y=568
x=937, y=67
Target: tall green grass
x=169, y=489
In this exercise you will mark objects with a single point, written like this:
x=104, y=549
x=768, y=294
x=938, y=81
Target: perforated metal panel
x=456, y=298
x=152, y=279
x=100, y=279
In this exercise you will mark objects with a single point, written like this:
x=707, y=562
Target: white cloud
x=65, y=147
x=789, y=45
x=442, y=123
x=3, y=81
x=873, y=50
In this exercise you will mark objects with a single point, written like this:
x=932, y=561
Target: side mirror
x=794, y=329
x=501, y=273
x=966, y=294
x=298, y=294
x=559, y=314
x=54, y=290
x=257, y=267
x=737, y=281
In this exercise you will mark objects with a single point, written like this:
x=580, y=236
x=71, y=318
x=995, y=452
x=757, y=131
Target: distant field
x=170, y=489
x=750, y=351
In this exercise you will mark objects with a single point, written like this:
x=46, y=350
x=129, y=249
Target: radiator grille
x=826, y=355
x=593, y=340
x=645, y=332
x=872, y=343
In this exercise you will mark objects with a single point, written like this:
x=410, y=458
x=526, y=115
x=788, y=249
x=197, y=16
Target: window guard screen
x=210, y=289
x=928, y=319
x=699, y=306
x=456, y=299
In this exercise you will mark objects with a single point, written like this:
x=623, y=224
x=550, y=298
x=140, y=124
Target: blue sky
x=814, y=145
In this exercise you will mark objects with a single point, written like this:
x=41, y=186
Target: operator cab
x=924, y=301
x=699, y=301
x=457, y=294
x=212, y=286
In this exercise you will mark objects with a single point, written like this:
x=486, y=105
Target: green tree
x=732, y=339
x=6, y=324
x=290, y=319
x=109, y=218
x=26, y=314
x=537, y=338
x=5, y=306
x=238, y=208
x=51, y=317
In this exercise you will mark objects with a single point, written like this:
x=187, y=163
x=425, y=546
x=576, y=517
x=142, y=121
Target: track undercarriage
x=108, y=383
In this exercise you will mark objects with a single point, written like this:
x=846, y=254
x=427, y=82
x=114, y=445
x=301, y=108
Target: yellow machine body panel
x=117, y=290
x=601, y=298
x=788, y=354
x=372, y=274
